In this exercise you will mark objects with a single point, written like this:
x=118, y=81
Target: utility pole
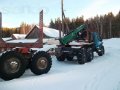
x=64, y=22
x=0, y=24
x=62, y=18
x=41, y=27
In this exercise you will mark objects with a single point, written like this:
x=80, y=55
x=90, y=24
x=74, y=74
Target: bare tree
x=101, y=27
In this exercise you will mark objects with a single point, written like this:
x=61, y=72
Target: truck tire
x=41, y=63
x=102, y=51
x=90, y=54
x=82, y=56
x=69, y=57
x=61, y=57
x=12, y=65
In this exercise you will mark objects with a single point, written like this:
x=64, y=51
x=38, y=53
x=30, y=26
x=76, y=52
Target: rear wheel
x=12, y=65
x=41, y=63
x=69, y=57
x=82, y=58
x=61, y=57
x=90, y=54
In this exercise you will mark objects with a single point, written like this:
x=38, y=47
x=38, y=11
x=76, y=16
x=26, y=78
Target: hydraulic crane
x=87, y=43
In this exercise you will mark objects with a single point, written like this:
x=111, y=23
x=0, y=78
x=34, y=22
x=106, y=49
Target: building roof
x=48, y=32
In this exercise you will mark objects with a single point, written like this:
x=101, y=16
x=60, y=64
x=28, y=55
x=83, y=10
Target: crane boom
x=72, y=35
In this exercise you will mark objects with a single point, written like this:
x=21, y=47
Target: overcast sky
x=17, y=11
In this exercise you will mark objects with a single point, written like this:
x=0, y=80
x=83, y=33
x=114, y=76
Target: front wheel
x=41, y=63
x=101, y=51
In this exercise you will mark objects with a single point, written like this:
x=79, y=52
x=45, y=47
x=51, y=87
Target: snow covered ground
x=103, y=73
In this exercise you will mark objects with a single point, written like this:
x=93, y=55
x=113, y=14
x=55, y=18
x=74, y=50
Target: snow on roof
x=9, y=40
x=51, y=32
x=22, y=41
x=19, y=36
x=6, y=39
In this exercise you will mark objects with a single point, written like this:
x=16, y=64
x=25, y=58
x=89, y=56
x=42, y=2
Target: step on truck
x=88, y=42
x=16, y=56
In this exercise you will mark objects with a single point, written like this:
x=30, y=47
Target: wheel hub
x=42, y=63
x=12, y=65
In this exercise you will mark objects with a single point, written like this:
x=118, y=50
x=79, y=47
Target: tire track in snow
x=109, y=66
